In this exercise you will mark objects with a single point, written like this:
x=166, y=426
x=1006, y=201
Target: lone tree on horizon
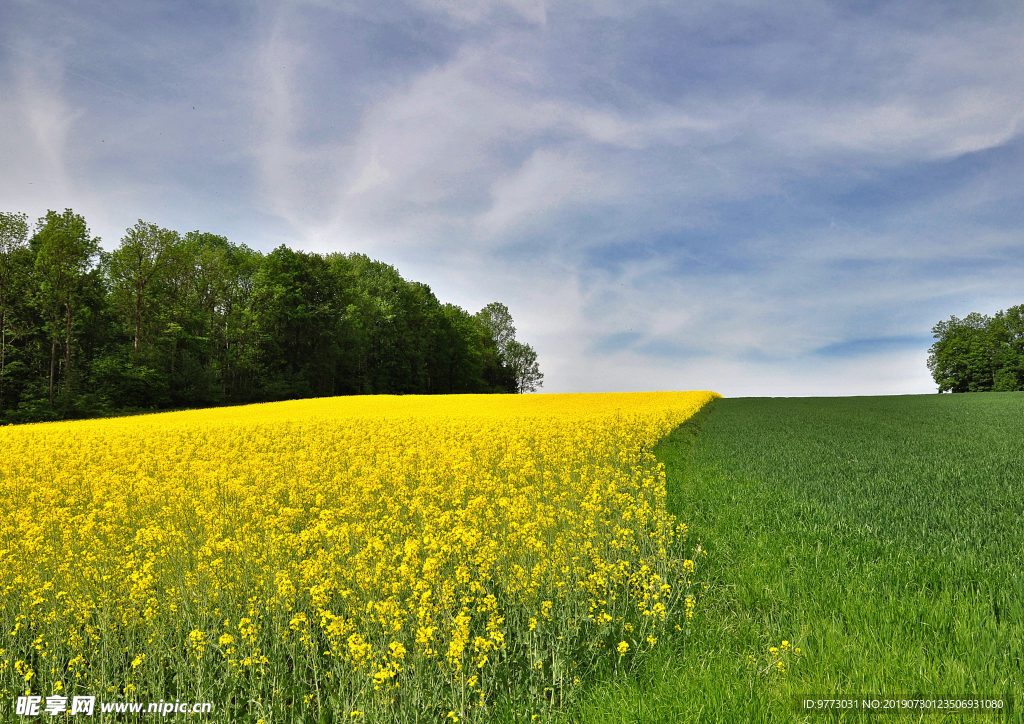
x=521, y=358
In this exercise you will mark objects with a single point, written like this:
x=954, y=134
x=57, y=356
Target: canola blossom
x=363, y=558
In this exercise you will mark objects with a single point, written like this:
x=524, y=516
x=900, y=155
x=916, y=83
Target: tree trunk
x=138, y=322
x=53, y=362
x=3, y=354
x=67, y=354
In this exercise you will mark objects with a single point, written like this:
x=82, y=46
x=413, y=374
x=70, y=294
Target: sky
x=752, y=197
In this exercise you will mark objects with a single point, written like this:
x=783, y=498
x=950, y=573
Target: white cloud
x=971, y=119
x=949, y=91
x=889, y=374
x=548, y=180
x=475, y=11
x=35, y=125
x=372, y=175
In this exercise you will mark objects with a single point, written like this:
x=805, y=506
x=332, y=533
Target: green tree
x=390, y=325
x=522, y=360
x=211, y=322
x=297, y=311
x=136, y=269
x=64, y=253
x=171, y=321
x=13, y=252
x=240, y=339
x=497, y=320
x=1008, y=332
x=974, y=354
x=518, y=361
x=457, y=354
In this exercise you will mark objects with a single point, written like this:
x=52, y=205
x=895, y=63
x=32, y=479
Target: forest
x=979, y=353
x=172, y=321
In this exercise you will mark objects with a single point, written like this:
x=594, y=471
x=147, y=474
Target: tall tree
x=1007, y=329
x=961, y=359
x=13, y=244
x=458, y=353
x=135, y=270
x=979, y=353
x=240, y=341
x=64, y=255
x=296, y=313
x=518, y=361
x=522, y=360
x=497, y=320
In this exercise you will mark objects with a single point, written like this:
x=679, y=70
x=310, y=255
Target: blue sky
x=758, y=198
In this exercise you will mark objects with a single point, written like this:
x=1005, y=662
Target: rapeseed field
x=348, y=559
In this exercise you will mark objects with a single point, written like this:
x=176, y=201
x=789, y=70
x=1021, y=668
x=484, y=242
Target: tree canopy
x=174, y=321
x=979, y=353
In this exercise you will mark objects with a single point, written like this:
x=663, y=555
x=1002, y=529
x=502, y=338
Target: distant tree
x=135, y=270
x=979, y=353
x=522, y=359
x=13, y=248
x=1008, y=332
x=497, y=320
x=212, y=321
x=64, y=255
x=459, y=353
x=296, y=310
x=170, y=321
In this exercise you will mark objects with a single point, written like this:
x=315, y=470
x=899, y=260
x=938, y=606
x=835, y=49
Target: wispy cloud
x=35, y=123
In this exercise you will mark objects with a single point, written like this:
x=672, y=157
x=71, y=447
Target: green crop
x=882, y=536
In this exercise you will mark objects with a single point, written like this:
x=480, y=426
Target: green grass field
x=883, y=536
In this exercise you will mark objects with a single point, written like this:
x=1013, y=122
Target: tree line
x=177, y=321
x=979, y=353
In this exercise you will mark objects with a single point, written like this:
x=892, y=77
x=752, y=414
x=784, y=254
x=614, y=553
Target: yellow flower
x=376, y=532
